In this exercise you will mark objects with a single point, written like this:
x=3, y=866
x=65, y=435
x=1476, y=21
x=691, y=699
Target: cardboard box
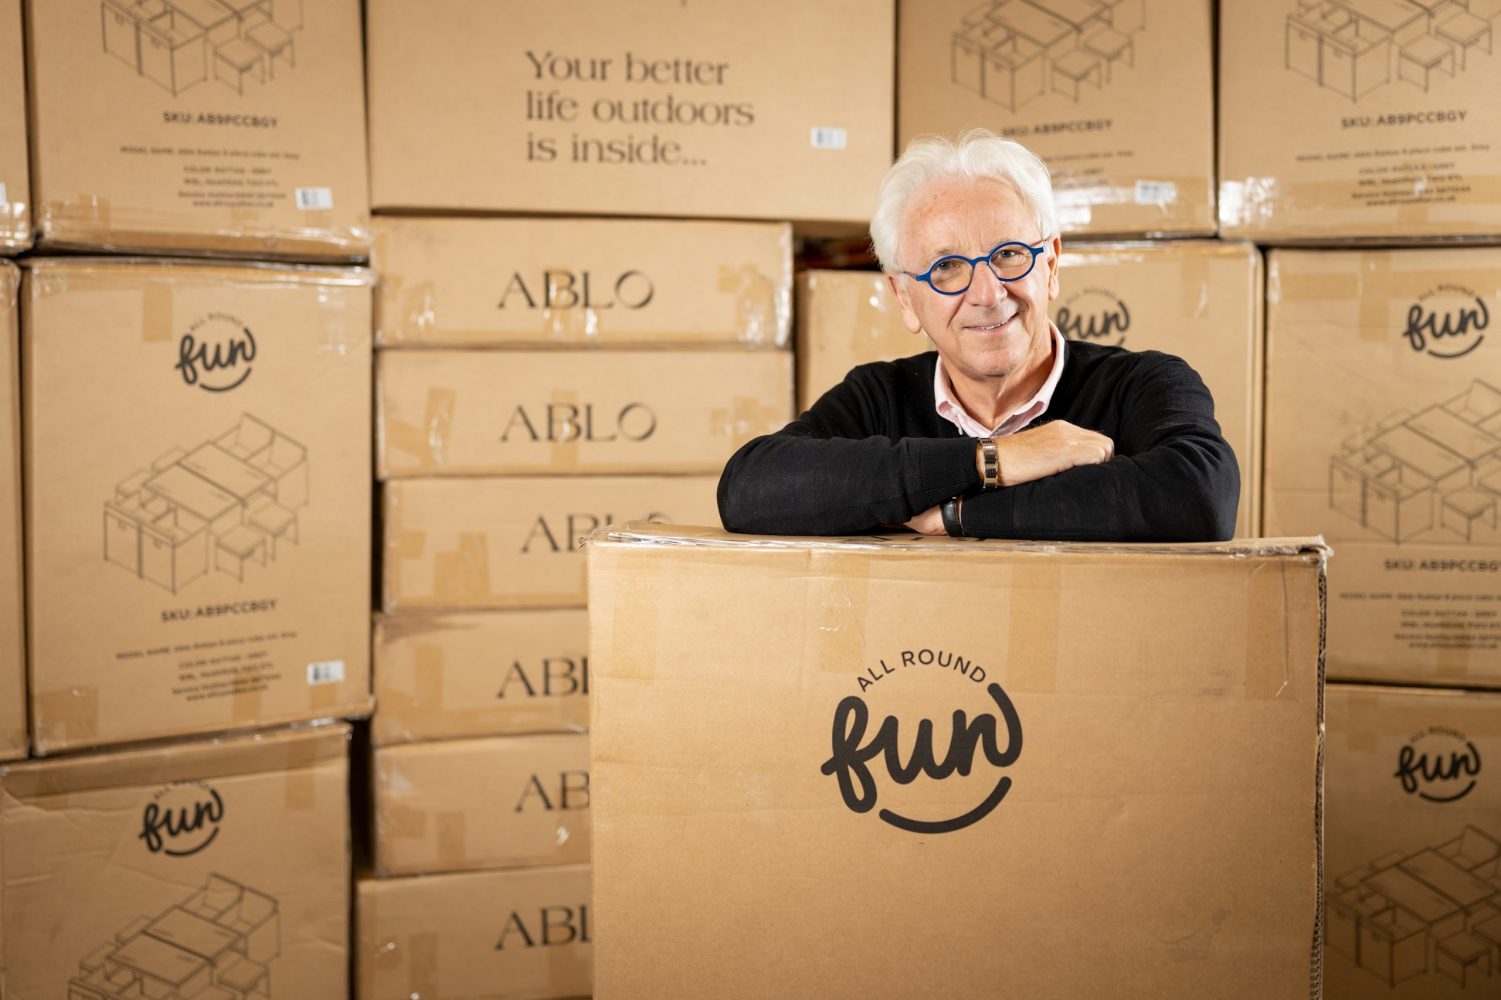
x=1413, y=824
x=1383, y=433
x=1203, y=302
x=498, y=802
x=1199, y=300
x=1117, y=97
x=511, y=935
x=486, y=673
x=1181, y=862
x=207, y=869
x=581, y=282
x=15, y=176
x=197, y=497
x=641, y=107
x=498, y=412
x=516, y=543
x=209, y=126
x=13, y=738
x=1394, y=128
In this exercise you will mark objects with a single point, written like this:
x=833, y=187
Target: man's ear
x=899, y=289
x=1053, y=262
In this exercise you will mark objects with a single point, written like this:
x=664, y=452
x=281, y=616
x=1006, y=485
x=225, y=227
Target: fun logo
x=181, y=819
x=1447, y=322
x=990, y=738
x=216, y=353
x=1095, y=315
x=1438, y=765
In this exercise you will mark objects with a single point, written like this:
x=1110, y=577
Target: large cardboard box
x=774, y=701
x=218, y=126
x=1383, y=433
x=581, y=282
x=197, y=497
x=1413, y=826
x=1344, y=121
x=466, y=412
x=639, y=107
x=481, y=673
x=516, y=542
x=510, y=935
x=209, y=869
x=1200, y=300
x=498, y=802
x=13, y=739
x=1116, y=96
x=15, y=176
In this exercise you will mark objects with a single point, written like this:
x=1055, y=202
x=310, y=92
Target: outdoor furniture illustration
x=215, y=945
x=1434, y=911
x=1011, y=51
x=224, y=504
x=1436, y=469
x=180, y=43
x=1355, y=46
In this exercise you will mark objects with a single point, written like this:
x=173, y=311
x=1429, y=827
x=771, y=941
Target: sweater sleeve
x=842, y=469
x=1174, y=478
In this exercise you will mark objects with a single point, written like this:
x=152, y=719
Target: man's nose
x=985, y=287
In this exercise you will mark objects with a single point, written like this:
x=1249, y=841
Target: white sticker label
x=4, y=200
x=327, y=672
x=1156, y=192
x=315, y=198
x=828, y=138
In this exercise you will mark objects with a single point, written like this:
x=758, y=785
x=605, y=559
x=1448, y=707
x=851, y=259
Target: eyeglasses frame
x=975, y=262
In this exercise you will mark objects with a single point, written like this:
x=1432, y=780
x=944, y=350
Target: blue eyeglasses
x=952, y=275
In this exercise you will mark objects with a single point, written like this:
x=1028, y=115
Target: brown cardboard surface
x=720, y=663
x=174, y=868
x=13, y=738
x=197, y=496
x=1200, y=300
x=1383, y=432
x=581, y=282
x=1413, y=840
x=484, y=673
x=507, y=935
x=15, y=177
x=1359, y=121
x=516, y=542
x=1116, y=97
x=217, y=126
x=641, y=107
x=467, y=412
x=498, y=802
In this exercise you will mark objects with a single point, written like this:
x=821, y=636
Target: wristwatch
x=990, y=478
x=952, y=510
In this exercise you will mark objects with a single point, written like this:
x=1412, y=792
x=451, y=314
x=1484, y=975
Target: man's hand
x=929, y=522
x=1048, y=450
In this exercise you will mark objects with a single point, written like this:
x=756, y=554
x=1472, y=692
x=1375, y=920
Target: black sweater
x=873, y=453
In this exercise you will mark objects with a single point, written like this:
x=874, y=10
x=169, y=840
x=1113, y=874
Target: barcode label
x=327, y=672
x=828, y=138
x=1156, y=192
x=311, y=198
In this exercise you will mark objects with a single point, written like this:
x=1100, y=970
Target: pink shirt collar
x=950, y=409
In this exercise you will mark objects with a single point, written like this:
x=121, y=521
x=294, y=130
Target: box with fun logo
x=197, y=497
x=1123, y=741
x=1412, y=904
x=1383, y=433
x=211, y=869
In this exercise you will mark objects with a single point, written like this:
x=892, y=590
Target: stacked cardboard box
x=13, y=736
x=15, y=178
x=537, y=380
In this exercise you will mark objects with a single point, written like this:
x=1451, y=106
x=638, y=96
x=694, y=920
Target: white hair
x=976, y=153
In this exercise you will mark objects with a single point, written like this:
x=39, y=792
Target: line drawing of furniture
x=1355, y=46
x=1433, y=911
x=1436, y=469
x=223, y=504
x=217, y=944
x=1012, y=51
x=180, y=43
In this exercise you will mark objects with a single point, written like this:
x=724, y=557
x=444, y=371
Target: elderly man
x=1008, y=431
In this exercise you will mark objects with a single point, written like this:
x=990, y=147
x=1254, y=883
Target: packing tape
x=415, y=314
x=399, y=822
x=461, y=575
x=86, y=214
x=1268, y=660
x=451, y=844
x=755, y=299
x=570, y=323
x=1035, y=621
x=437, y=426
x=745, y=418
x=156, y=311
x=324, y=699
x=316, y=223
x=1263, y=206
x=633, y=638
x=1367, y=290
x=1196, y=293
x=423, y=981
x=300, y=784
x=1359, y=735
x=1453, y=662
x=427, y=676
x=838, y=608
x=242, y=217
x=245, y=704
x=564, y=451
x=69, y=717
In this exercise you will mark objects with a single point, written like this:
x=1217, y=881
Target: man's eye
x=1009, y=257
x=948, y=265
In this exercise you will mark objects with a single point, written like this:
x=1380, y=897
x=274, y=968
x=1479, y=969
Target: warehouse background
x=314, y=300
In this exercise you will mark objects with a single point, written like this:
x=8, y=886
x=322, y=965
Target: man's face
x=995, y=328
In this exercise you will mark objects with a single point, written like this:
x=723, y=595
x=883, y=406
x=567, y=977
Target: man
x=1007, y=431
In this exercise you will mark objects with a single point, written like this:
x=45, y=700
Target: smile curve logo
x=1446, y=315
x=216, y=352
x=1437, y=761
x=851, y=755
x=181, y=819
